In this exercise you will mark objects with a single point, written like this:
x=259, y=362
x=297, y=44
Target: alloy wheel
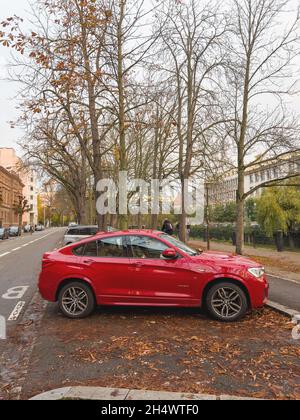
x=75, y=301
x=226, y=302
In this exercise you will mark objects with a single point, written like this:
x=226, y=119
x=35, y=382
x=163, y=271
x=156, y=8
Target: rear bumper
x=46, y=288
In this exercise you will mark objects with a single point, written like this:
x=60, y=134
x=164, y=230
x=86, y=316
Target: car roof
x=131, y=232
x=83, y=226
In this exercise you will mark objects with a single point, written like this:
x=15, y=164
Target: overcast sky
x=9, y=136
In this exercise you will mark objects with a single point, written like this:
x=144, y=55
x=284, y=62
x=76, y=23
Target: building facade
x=10, y=161
x=225, y=190
x=11, y=189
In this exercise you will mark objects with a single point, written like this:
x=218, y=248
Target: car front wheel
x=76, y=300
x=226, y=302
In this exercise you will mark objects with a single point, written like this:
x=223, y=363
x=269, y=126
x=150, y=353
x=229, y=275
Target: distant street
x=20, y=262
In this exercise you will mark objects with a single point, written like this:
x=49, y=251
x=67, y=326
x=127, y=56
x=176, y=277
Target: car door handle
x=139, y=264
x=88, y=262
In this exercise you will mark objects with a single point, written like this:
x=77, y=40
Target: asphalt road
x=20, y=262
x=285, y=292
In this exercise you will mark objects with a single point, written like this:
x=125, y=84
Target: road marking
x=28, y=243
x=5, y=253
x=282, y=278
x=16, y=292
x=17, y=311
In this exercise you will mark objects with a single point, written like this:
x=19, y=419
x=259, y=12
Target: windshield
x=180, y=245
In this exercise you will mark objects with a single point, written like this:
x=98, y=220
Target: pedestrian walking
x=167, y=227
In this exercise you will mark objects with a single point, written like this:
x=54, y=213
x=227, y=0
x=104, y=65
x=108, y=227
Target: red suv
x=150, y=268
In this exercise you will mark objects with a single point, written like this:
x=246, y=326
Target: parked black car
x=4, y=234
x=14, y=231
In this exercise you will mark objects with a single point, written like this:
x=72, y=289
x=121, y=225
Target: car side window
x=91, y=249
x=84, y=232
x=73, y=232
x=112, y=247
x=78, y=251
x=145, y=247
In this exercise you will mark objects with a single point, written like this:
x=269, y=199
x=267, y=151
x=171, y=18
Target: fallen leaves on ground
x=172, y=350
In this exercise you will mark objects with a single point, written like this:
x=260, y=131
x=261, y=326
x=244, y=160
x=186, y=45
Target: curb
x=282, y=309
x=110, y=394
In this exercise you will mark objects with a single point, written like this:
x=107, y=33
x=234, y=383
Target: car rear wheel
x=76, y=300
x=226, y=302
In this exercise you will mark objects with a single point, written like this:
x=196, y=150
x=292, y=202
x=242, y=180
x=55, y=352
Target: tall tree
x=261, y=53
x=192, y=34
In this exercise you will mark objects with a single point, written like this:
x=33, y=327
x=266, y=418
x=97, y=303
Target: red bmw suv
x=150, y=268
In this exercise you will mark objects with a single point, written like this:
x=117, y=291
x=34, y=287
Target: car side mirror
x=169, y=254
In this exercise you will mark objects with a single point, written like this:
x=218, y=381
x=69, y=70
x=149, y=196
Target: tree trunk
x=182, y=223
x=123, y=218
x=240, y=213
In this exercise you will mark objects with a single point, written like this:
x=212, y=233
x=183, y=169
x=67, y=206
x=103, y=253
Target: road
x=286, y=292
x=20, y=262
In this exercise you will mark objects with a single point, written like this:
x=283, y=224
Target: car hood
x=222, y=258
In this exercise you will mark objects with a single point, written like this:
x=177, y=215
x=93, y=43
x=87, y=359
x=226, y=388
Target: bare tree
x=259, y=76
x=192, y=36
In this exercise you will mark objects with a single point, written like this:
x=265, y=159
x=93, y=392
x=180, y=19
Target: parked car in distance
x=78, y=233
x=14, y=231
x=4, y=233
x=26, y=228
x=150, y=268
x=73, y=224
x=39, y=228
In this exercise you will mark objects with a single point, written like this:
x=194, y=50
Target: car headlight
x=257, y=272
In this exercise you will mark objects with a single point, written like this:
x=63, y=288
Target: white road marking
x=16, y=292
x=23, y=246
x=282, y=278
x=5, y=253
x=17, y=311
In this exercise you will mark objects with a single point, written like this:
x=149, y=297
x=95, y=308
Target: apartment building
x=225, y=190
x=11, y=189
x=11, y=162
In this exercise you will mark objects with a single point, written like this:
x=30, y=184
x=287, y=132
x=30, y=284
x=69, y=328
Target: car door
x=106, y=262
x=158, y=281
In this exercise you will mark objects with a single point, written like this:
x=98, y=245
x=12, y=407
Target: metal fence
x=253, y=236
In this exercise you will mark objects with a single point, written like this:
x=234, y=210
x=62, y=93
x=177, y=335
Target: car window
x=180, y=245
x=78, y=250
x=88, y=231
x=93, y=231
x=112, y=247
x=73, y=232
x=90, y=249
x=145, y=247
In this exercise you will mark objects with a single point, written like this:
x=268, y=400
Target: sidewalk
x=282, y=264
x=110, y=394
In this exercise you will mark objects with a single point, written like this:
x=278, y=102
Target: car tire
x=76, y=300
x=226, y=302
